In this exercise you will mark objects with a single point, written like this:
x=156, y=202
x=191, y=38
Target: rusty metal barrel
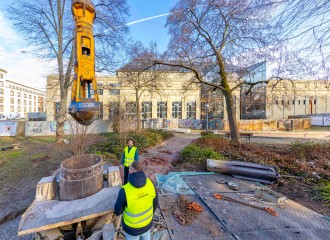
x=81, y=176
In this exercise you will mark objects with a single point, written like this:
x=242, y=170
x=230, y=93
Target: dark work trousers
x=126, y=171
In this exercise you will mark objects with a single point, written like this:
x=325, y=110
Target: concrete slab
x=247, y=223
x=202, y=228
x=45, y=215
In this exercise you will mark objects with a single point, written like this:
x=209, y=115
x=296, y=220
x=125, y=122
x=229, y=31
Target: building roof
x=2, y=70
x=25, y=86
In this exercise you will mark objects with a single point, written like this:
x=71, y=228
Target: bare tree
x=305, y=25
x=48, y=26
x=217, y=40
x=138, y=74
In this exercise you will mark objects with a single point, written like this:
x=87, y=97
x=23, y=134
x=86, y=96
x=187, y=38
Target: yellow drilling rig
x=84, y=104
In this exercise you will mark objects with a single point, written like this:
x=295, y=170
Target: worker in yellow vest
x=137, y=201
x=130, y=155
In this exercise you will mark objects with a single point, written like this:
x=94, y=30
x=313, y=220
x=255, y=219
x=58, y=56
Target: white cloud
x=21, y=67
x=147, y=19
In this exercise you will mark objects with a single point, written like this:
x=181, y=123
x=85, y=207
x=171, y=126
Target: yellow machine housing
x=84, y=104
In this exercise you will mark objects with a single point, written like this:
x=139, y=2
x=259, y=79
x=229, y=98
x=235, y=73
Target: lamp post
x=207, y=116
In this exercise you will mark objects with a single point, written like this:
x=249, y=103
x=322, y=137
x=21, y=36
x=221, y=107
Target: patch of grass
x=198, y=155
x=211, y=136
x=324, y=192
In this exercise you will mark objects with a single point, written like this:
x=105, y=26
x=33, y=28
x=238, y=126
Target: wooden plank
x=44, y=215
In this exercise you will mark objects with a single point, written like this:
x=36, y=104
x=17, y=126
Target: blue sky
x=153, y=29
x=25, y=69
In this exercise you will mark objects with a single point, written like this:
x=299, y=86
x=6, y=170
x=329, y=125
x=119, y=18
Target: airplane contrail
x=146, y=19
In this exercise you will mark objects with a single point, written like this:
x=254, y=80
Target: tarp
x=173, y=183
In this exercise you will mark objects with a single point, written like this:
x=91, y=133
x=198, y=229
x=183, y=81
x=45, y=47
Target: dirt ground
x=18, y=188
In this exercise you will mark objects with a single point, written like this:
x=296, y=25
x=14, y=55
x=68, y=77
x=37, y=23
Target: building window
x=162, y=109
x=19, y=108
x=35, y=104
x=100, y=115
x=298, y=102
x=24, y=102
x=100, y=91
x=146, y=110
x=114, y=92
x=30, y=109
x=19, y=101
x=1, y=108
x=35, y=98
x=56, y=108
x=1, y=83
x=12, y=101
x=288, y=102
x=315, y=101
x=11, y=93
x=191, y=110
x=1, y=75
x=131, y=109
x=304, y=102
x=18, y=94
x=12, y=108
x=293, y=102
x=1, y=99
x=113, y=109
x=177, y=110
x=24, y=109
x=276, y=102
x=30, y=103
x=30, y=96
x=282, y=102
x=24, y=95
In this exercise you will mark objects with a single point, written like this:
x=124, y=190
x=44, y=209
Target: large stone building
x=173, y=97
x=17, y=100
x=170, y=95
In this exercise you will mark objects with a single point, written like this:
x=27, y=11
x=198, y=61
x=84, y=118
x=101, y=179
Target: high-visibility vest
x=139, y=210
x=129, y=156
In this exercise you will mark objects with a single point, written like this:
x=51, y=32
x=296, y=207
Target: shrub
x=206, y=133
x=196, y=154
x=324, y=191
x=114, y=144
x=211, y=136
x=164, y=134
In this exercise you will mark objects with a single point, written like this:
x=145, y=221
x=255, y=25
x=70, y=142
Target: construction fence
x=271, y=125
x=47, y=128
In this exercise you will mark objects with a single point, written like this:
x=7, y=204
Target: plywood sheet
x=246, y=222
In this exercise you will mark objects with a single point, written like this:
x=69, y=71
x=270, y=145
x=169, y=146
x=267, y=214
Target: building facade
x=172, y=96
x=16, y=100
x=175, y=97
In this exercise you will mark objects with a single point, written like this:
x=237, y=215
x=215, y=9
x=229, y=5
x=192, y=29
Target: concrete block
x=46, y=188
x=114, y=178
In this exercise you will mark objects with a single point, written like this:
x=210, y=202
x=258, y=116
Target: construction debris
x=187, y=211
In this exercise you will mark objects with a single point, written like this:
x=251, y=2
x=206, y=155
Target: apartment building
x=17, y=100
